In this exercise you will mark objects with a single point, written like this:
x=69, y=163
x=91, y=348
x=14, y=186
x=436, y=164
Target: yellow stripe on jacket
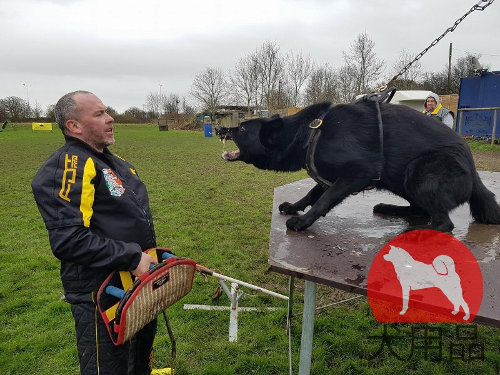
x=88, y=191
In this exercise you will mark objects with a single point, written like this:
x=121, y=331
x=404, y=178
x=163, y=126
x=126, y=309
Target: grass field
x=219, y=214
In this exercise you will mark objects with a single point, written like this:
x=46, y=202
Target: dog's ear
x=270, y=133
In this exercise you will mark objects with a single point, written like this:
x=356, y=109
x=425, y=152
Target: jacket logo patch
x=113, y=183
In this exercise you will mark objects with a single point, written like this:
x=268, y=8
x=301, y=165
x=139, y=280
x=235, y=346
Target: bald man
x=96, y=211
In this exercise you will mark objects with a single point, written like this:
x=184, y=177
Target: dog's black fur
x=424, y=161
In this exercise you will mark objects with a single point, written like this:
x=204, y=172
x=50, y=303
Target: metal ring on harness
x=316, y=123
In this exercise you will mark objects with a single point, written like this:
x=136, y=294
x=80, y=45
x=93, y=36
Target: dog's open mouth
x=231, y=156
x=224, y=135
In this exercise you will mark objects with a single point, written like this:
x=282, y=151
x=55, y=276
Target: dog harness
x=315, y=134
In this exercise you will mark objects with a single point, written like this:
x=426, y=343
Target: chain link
x=477, y=6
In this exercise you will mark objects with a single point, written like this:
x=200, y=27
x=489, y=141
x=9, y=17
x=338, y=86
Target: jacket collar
x=76, y=141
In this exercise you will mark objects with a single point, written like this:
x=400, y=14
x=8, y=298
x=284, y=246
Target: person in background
x=433, y=108
x=96, y=210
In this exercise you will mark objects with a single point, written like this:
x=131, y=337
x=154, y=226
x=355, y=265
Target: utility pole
x=449, y=69
x=27, y=98
x=160, y=103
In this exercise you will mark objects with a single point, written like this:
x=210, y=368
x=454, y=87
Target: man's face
x=430, y=104
x=95, y=126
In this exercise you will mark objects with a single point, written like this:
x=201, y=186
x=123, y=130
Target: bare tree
x=154, y=104
x=321, y=86
x=171, y=104
x=438, y=81
x=49, y=112
x=281, y=96
x=111, y=111
x=245, y=80
x=209, y=88
x=346, y=83
x=3, y=112
x=135, y=113
x=36, y=111
x=271, y=69
x=15, y=107
x=299, y=68
x=364, y=62
x=186, y=108
x=408, y=79
x=463, y=67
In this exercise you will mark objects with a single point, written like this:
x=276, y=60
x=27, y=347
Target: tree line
x=269, y=79
x=17, y=109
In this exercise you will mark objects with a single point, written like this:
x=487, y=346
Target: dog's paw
x=387, y=209
x=297, y=224
x=445, y=226
x=287, y=208
x=378, y=208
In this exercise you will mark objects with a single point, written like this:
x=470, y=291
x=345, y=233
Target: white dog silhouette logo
x=414, y=275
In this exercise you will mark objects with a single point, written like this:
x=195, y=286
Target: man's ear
x=73, y=126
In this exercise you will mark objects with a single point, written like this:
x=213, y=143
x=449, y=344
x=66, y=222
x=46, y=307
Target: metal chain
x=435, y=41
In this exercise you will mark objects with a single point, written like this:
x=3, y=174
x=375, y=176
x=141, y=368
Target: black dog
x=365, y=145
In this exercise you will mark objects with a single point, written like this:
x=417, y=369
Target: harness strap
x=310, y=145
x=310, y=166
x=315, y=133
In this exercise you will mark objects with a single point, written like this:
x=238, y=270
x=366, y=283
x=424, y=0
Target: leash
x=475, y=7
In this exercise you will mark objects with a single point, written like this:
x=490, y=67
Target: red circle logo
x=424, y=276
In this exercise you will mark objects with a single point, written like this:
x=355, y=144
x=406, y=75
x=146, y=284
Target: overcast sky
x=122, y=50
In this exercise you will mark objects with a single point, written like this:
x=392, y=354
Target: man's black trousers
x=98, y=354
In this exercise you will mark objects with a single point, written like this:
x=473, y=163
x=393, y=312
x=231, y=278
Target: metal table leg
x=307, y=328
x=291, y=287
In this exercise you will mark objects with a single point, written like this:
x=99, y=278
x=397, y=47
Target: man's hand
x=144, y=264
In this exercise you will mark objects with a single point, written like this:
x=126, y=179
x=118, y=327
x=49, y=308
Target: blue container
x=479, y=92
x=208, y=130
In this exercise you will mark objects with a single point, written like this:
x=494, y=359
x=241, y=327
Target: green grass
x=215, y=212
x=478, y=145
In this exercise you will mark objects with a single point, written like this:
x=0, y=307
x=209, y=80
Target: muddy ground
x=487, y=160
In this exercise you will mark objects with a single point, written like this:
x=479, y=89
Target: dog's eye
x=242, y=128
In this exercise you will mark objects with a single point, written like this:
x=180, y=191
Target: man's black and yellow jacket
x=96, y=210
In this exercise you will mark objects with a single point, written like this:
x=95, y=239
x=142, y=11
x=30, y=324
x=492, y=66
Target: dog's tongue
x=230, y=156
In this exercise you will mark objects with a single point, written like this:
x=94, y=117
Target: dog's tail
x=443, y=265
x=483, y=205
